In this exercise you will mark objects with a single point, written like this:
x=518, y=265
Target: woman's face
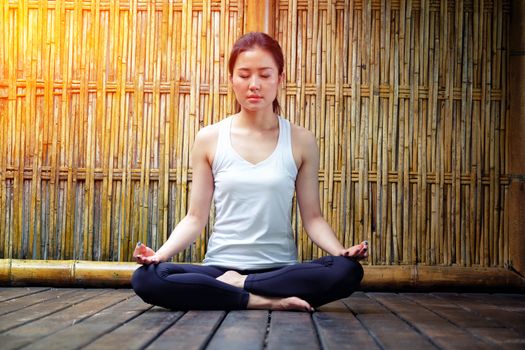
x=255, y=79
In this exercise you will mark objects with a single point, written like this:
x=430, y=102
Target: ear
x=282, y=78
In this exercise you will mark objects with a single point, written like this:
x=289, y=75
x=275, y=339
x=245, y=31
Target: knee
x=140, y=281
x=350, y=271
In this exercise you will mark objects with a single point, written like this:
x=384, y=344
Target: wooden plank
x=192, y=331
x=503, y=338
x=67, y=317
x=438, y=329
x=140, y=331
x=515, y=302
x=83, y=333
x=97, y=319
x=61, y=301
x=32, y=299
x=292, y=330
x=338, y=328
x=482, y=327
x=462, y=317
x=243, y=330
x=8, y=293
x=481, y=304
x=389, y=331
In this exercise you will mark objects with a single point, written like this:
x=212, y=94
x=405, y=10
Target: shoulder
x=207, y=133
x=304, y=145
x=303, y=137
x=206, y=141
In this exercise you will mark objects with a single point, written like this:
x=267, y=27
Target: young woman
x=251, y=163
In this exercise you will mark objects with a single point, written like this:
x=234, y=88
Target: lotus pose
x=251, y=164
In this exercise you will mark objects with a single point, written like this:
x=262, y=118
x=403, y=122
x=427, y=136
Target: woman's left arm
x=307, y=189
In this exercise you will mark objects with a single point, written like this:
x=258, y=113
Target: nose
x=254, y=84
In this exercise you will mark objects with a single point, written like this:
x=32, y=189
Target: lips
x=254, y=98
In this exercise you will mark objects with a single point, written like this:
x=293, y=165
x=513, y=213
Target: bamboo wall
x=100, y=102
x=99, y=105
x=409, y=102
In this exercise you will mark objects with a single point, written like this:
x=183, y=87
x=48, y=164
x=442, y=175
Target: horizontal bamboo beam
x=99, y=174
x=74, y=273
x=65, y=273
x=442, y=278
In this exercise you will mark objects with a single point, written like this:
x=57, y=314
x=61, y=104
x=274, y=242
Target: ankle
x=261, y=303
x=233, y=278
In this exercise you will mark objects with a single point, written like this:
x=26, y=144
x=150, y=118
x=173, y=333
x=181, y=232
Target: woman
x=251, y=163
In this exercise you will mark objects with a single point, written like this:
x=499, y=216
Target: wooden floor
x=45, y=318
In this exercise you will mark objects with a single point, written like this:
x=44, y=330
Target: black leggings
x=195, y=287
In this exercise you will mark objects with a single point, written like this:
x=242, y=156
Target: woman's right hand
x=145, y=255
x=358, y=252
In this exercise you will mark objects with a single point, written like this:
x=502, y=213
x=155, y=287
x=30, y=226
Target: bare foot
x=233, y=278
x=290, y=303
x=294, y=303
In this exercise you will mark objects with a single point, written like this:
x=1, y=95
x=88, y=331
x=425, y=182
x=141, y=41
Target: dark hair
x=261, y=40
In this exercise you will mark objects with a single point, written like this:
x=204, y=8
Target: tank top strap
x=285, y=145
x=223, y=143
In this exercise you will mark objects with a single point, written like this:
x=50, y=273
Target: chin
x=256, y=108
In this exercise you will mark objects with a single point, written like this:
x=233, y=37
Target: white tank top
x=253, y=205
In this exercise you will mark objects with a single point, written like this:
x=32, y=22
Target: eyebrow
x=248, y=69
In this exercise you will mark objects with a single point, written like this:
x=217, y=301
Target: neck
x=257, y=119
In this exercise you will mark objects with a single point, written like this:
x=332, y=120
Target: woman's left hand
x=359, y=251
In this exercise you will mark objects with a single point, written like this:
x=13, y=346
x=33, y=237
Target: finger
x=308, y=307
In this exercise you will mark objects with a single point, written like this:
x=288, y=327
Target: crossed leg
x=295, y=287
x=316, y=282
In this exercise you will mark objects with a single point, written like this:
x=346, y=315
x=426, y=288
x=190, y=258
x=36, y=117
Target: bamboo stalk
x=498, y=127
x=165, y=126
x=504, y=107
x=467, y=112
x=6, y=130
x=33, y=118
x=347, y=159
x=50, y=110
x=66, y=135
x=118, y=122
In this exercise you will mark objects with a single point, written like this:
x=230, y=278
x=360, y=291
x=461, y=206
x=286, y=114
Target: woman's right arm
x=191, y=226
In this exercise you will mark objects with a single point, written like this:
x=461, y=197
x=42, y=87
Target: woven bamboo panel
x=100, y=102
x=409, y=102
x=99, y=105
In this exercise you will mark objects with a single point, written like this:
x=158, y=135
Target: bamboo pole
x=63, y=273
x=6, y=128
x=384, y=202
x=516, y=138
x=66, y=245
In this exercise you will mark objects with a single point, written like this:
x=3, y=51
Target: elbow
x=311, y=221
x=197, y=220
